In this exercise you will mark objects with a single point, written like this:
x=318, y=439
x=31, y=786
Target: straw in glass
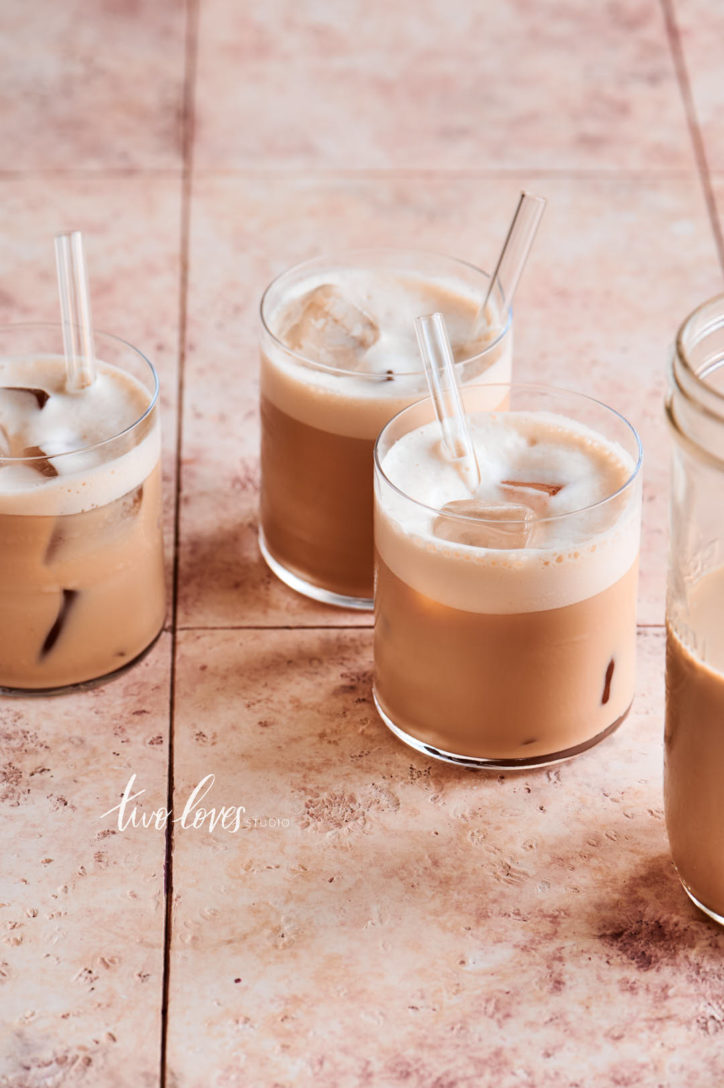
x=75, y=311
x=514, y=254
x=439, y=362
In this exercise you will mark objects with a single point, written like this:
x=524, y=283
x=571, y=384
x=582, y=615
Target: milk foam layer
x=65, y=423
x=388, y=374
x=577, y=548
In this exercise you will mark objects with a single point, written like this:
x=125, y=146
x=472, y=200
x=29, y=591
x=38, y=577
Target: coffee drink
x=694, y=742
x=81, y=579
x=694, y=734
x=505, y=622
x=339, y=359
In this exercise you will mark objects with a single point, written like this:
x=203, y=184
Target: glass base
x=706, y=910
x=499, y=763
x=83, y=685
x=308, y=589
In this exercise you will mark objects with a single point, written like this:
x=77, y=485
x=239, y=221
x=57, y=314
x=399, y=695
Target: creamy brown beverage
x=81, y=575
x=505, y=622
x=339, y=359
x=694, y=743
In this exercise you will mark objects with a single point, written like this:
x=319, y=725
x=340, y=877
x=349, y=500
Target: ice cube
x=66, y=603
x=18, y=405
x=607, y=682
x=329, y=329
x=488, y=525
x=92, y=530
x=533, y=494
x=41, y=462
x=11, y=391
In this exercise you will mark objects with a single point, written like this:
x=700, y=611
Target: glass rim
x=48, y=326
x=692, y=376
x=532, y=387
x=389, y=250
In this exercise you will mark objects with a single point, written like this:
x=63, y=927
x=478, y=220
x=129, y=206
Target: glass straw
x=80, y=360
x=437, y=356
x=513, y=256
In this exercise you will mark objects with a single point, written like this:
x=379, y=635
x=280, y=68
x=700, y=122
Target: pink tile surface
x=618, y=264
x=701, y=30
x=618, y=267
x=81, y=904
x=379, y=919
x=131, y=233
x=91, y=86
x=387, y=920
x=429, y=86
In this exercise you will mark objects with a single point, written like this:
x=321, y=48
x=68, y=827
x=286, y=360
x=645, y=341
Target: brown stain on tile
x=653, y=930
x=16, y=737
x=646, y=942
x=11, y=790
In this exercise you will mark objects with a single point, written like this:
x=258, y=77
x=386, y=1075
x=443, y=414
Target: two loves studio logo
x=195, y=815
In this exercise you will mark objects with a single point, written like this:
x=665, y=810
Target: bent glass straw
x=80, y=360
x=513, y=256
x=439, y=362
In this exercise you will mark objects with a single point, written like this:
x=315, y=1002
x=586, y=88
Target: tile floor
x=378, y=919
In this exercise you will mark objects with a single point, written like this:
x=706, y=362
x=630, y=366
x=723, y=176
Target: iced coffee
x=694, y=735
x=81, y=575
x=505, y=621
x=694, y=743
x=339, y=359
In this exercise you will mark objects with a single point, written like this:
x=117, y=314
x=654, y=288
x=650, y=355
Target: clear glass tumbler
x=81, y=554
x=505, y=633
x=323, y=402
x=694, y=736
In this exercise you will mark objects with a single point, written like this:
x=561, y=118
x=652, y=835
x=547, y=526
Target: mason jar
x=694, y=736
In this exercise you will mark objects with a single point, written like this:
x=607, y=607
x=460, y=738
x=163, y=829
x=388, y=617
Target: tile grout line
x=101, y=173
x=697, y=139
x=281, y=627
x=192, y=21
x=328, y=627
x=573, y=173
x=504, y=173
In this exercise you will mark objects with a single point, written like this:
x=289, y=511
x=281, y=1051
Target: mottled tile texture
x=382, y=919
x=701, y=29
x=82, y=904
x=376, y=919
x=432, y=86
x=91, y=85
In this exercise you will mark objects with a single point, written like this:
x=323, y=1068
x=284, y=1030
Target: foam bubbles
x=53, y=426
x=374, y=346
x=557, y=478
